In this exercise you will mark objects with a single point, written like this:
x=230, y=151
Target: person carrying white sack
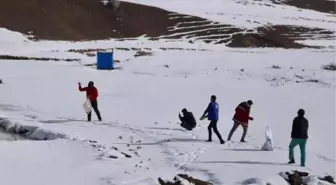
x=268, y=145
x=92, y=95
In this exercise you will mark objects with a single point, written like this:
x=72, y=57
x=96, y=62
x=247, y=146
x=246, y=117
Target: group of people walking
x=241, y=117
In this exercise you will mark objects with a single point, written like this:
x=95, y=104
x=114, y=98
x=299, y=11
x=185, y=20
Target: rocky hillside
x=77, y=20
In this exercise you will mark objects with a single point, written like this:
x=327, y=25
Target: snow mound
x=273, y=180
x=9, y=36
x=30, y=132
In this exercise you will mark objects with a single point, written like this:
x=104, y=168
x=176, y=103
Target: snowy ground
x=140, y=102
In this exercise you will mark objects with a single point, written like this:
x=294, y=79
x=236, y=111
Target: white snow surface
x=140, y=102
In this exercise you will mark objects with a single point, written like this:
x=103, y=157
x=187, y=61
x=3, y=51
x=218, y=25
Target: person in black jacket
x=299, y=137
x=188, y=120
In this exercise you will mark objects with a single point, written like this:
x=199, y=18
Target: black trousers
x=186, y=125
x=94, y=105
x=234, y=128
x=213, y=125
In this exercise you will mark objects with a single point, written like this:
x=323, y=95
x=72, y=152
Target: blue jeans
x=302, y=144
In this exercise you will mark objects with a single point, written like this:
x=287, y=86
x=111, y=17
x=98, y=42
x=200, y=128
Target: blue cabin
x=105, y=60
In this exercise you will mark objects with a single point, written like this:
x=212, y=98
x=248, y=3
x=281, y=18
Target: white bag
x=87, y=106
x=268, y=145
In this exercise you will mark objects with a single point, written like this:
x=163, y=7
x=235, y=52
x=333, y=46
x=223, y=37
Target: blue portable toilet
x=105, y=60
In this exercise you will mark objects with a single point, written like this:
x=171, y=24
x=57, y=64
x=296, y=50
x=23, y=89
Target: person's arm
x=249, y=117
x=206, y=110
x=293, y=127
x=306, y=126
x=80, y=87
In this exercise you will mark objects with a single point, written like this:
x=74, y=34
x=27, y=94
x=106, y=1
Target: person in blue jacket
x=212, y=113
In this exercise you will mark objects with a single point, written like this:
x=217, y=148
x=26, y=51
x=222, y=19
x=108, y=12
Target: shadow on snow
x=244, y=162
x=166, y=141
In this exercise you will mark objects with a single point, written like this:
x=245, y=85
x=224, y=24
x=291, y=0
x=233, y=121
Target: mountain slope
x=78, y=20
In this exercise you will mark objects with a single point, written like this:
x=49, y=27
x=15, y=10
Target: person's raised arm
x=80, y=87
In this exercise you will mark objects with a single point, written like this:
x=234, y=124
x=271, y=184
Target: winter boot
x=291, y=162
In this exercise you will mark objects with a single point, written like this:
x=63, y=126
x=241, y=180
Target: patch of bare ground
x=177, y=180
x=78, y=20
x=143, y=53
x=283, y=36
x=92, y=52
x=301, y=33
x=10, y=57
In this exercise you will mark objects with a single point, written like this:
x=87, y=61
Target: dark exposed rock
x=329, y=179
x=294, y=178
x=143, y=53
x=10, y=57
x=126, y=155
x=193, y=180
x=190, y=179
x=330, y=67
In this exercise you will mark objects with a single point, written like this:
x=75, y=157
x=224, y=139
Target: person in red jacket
x=241, y=117
x=92, y=94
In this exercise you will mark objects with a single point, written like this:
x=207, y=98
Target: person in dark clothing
x=299, y=137
x=92, y=94
x=188, y=120
x=212, y=113
x=241, y=117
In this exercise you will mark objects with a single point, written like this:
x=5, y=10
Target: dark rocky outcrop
x=190, y=179
x=296, y=177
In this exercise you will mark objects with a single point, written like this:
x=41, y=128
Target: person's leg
x=186, y=126
x=216, y=132
x=302, y=144
x=244, y=133
x=292, y=145
x=234, y=128
x=209, y=130
x=95, y=108
x=89, y=116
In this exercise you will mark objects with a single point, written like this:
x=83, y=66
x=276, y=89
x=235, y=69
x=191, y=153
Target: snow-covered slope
x=140, y=103
x=251, y=14
x=245, y=13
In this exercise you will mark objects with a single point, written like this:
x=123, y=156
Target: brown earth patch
x=10, y=57
x=78, y=20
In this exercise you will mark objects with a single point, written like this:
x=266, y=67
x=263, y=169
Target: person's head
x=301, y=112
x=213, y=98
x=184, y=110
x=90, y=84
x=250, y=102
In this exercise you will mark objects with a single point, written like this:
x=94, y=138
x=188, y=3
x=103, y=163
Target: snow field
x=140, y=103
